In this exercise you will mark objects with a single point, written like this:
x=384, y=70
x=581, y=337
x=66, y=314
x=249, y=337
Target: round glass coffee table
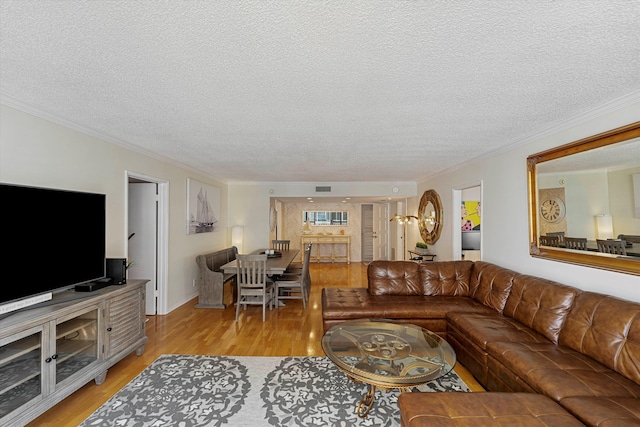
x=387, y=355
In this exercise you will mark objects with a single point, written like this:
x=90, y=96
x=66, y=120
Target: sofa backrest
x=490, y=284
x=541, y=304
x=394, y=278
x=445, y=278
x=606, y=329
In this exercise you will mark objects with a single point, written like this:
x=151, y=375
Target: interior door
x=380, y=231
x=366, y=233
x=143, y=226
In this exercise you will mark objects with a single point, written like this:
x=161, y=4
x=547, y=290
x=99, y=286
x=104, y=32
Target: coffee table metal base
x=364, y=406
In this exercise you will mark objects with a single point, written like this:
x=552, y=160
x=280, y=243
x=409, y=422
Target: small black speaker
x=117, y=270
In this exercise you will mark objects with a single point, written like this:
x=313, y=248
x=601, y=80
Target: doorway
x=467, y=202
x=147, y=225
x=375, y=232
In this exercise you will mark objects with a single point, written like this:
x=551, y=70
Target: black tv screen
x=471, y=240
x=52, y=239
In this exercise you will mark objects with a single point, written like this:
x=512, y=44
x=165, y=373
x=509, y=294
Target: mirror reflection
x=589, y=196
x=585, y=201
x=325, y=218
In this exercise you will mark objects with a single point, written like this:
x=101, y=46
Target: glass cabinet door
x=20, y=363
x=76, y=344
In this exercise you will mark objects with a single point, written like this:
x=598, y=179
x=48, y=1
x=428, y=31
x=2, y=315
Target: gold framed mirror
x=588, y=191
x=430, y=217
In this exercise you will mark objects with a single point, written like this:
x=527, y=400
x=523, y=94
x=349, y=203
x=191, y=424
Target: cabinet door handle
x=109, y=329
x=54, y=357
x=48, y=359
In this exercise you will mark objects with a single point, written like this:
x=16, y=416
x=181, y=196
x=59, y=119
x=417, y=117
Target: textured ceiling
x=317, y=91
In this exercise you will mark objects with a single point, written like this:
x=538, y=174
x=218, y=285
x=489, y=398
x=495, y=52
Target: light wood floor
x=288, y=331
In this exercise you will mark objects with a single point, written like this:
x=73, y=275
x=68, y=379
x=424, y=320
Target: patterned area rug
x=183, y=390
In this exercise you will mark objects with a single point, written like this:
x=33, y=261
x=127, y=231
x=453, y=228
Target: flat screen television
x=471, y=240
x=52, y=239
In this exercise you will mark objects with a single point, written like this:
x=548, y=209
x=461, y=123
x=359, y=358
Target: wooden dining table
x=275, y=265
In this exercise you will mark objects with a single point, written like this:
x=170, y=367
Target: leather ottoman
x=482, y=410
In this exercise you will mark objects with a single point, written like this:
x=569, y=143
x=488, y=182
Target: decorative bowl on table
x=275, y=254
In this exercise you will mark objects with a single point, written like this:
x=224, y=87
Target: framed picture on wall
x=470, y=215
x=203, y=207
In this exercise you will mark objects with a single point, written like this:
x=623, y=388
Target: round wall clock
x=552, y=209
x=273, y=218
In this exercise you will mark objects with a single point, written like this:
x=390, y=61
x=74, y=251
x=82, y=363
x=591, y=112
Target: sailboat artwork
x=204, y=202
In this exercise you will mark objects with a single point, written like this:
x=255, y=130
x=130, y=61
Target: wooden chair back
x=553, y=241
x=615, y=247
x=560, y=235
x=254, y=288
x=280, y=245
x=296, y=286
x=305, y=269
x=577, y=243
x=629, y=238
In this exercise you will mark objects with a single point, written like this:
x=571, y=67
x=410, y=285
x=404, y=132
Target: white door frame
x=163, y=233
x=456, y=200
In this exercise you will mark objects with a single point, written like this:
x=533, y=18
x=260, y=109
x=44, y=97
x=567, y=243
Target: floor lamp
x=404, y=220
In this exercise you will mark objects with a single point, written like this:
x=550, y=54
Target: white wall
x=37, y=152
x=505, y=208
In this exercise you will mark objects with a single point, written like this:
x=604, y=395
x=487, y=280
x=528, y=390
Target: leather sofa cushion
x=394, y=278
x=540, y=304
x=468, y=334
x=481, y=328
x=557, y=371
x=604, y=411
x=356, y=303
x=481, y=410
x=490, y=284
x=608, y=330
x=449, y=278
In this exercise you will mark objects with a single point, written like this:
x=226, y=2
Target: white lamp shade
x=605, y=226
x=237, y=236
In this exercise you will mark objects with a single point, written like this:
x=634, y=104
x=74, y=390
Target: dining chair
x=629, y=238
x=615, y=247
x=553, y=241
x=280, y=245
x=296, y=267
x=560, y=235
x=254, y=288
x=577, y=243
x=295, y=286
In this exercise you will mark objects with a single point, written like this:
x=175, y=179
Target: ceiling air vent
x=323, y=189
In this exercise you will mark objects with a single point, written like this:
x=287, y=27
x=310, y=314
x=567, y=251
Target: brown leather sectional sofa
x=517, y=334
